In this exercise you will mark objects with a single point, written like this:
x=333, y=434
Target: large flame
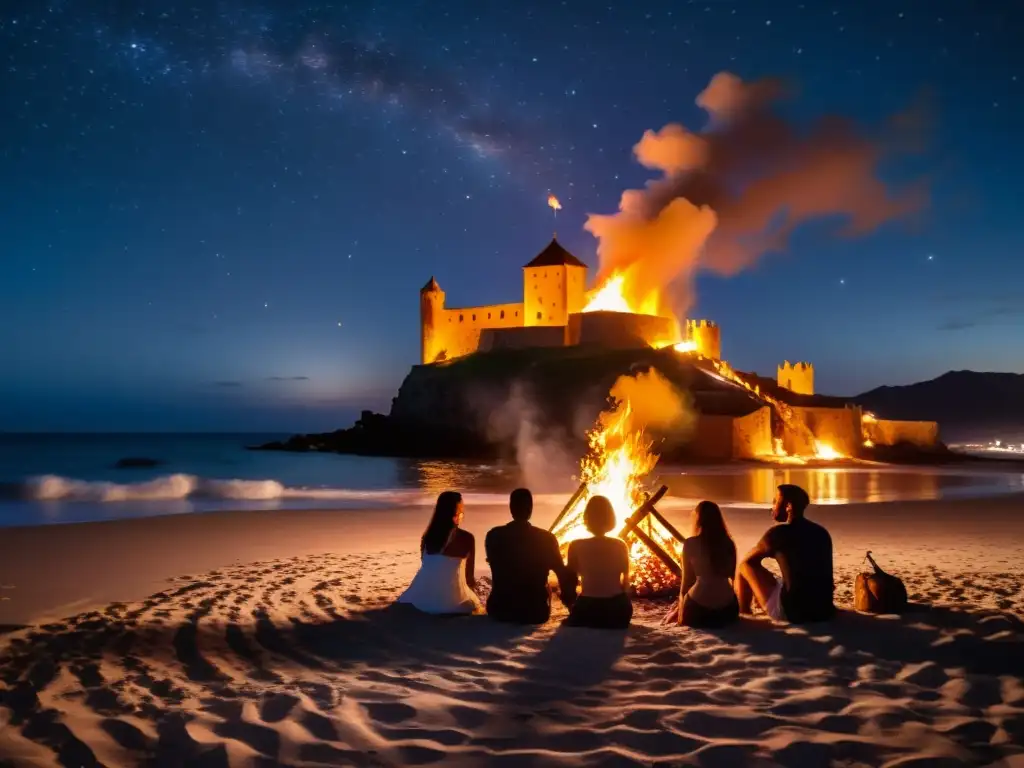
x=614, y=295
x=618, y=460
x=553, y=203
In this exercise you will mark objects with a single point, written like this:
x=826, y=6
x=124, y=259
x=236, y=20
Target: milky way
x=253, y=192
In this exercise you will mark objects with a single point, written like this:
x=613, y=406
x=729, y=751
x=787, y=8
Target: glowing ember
x=618, y=459
x=553, y=203
x=686, y=347
x=823, y=450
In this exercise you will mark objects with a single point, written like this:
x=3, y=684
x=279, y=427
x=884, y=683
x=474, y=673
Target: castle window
x=461, y=318
x=517, y=313
x=540, y=316
x=474, y=318
x=502, y=314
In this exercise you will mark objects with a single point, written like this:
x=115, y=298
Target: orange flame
x=618, y=460
x=553, y=203
x=614, y=296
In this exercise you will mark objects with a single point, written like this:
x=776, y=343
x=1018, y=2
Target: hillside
x=490, y=404
x=965, y=403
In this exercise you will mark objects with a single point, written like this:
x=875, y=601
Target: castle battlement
x=707, y=337
x=797, y=377
x=550, y=314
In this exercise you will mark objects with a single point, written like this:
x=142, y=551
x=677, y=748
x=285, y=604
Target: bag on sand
x=879, y=592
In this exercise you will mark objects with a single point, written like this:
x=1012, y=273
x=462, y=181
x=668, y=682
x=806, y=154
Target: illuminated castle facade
x=552, y=314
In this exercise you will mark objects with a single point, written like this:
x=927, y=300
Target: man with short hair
x=803, y=550
x=521, y=556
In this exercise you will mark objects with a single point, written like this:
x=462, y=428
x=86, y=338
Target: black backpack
x=879, y=592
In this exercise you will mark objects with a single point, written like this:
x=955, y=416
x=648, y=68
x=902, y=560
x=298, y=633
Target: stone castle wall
x=923, y=434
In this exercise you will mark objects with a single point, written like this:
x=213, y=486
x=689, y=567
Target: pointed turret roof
x=430, y=286
x=554, y=256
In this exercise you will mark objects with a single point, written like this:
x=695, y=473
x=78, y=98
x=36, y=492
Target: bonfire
x=619, y=458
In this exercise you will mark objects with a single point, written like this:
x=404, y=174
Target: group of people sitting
x=594, y=578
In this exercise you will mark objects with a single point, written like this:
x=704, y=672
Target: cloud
x=228, y=384
x=288, y=378
x=997, y=313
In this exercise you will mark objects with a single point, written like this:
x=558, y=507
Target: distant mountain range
x=967, y=404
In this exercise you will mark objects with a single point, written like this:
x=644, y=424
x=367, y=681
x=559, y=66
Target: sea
x=68, y=478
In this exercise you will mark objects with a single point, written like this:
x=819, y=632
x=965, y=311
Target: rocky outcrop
x=487, y=404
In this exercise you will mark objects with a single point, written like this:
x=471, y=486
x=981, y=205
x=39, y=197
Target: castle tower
x=707, y=336
x=431, y=317
x=797, y=377
x=554, y=287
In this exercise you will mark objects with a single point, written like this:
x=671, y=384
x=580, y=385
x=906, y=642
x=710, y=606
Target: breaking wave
x=54, y=488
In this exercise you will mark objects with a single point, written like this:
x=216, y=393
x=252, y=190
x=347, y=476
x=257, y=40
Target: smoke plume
x=738, y=189
x=655, y=404
x=543, y=455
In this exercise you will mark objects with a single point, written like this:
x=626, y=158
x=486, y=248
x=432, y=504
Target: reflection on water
x=836, y=485
x=737, y=484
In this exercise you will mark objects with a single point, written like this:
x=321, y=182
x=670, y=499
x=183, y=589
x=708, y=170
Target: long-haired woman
x=445, y=581
x=706, y=597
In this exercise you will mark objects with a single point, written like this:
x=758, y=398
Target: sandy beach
x=264, y=638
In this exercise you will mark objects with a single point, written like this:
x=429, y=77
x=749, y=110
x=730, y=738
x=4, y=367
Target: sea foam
x=54, y=488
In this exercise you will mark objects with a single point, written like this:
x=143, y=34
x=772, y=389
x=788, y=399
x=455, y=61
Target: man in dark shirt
x=521, y=556
x=803, y=550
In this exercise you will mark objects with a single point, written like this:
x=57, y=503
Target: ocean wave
x=54, y=488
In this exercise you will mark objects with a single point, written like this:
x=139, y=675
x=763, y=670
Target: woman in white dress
x=445, y=581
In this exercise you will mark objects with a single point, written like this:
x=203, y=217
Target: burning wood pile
x=618, y=460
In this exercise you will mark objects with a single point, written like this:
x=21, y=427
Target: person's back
x=602, y=564
x=803, y=550
x=521, y=556
x=712, y=586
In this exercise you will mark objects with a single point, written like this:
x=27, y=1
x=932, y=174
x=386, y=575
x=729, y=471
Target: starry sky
x=217, y=214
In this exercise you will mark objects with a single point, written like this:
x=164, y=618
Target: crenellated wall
x=797, y=377
x=707, y=336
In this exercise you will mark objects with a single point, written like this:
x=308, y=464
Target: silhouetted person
x=602, y=563
x=707, y=598
x=803, y=550
x=521, y=556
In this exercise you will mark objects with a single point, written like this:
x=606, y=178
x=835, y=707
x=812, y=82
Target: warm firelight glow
x=612, y=296
x=619, y=459
x=686, y=347
x=823, y=450
x=553, y=203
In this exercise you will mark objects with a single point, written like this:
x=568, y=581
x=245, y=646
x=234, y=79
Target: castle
x=552, y=314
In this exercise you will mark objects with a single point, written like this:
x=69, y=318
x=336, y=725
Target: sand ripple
x=298, y=662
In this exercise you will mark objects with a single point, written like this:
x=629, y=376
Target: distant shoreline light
x=993, y=446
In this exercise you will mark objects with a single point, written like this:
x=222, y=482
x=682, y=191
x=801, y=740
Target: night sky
x=217, y=215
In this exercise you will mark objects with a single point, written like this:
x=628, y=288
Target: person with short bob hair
x=803, y=551
x=602, y=564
